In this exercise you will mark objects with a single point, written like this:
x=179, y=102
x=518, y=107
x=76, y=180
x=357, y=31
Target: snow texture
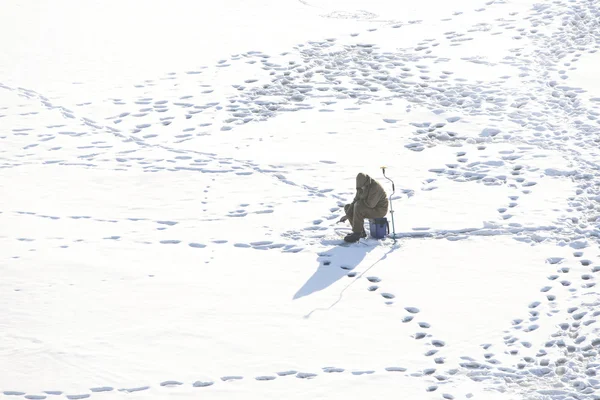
x=171, y=175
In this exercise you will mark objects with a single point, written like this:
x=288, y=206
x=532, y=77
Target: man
x=370, y=202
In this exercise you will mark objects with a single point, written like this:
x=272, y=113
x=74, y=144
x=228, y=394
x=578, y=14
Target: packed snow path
x=527, y=131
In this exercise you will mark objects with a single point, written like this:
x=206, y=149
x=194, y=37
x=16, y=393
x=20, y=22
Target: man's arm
x=374, y=196
x=356, y=198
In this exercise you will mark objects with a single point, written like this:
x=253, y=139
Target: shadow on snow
x=334, y=264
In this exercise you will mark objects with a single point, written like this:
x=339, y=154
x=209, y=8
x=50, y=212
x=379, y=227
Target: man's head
x=362, y=181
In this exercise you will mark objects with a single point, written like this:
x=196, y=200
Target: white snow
x=171, y=175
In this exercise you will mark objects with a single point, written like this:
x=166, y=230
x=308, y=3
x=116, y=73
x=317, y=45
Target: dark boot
x=355, y=237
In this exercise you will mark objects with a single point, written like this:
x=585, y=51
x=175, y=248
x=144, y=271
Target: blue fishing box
x=379, y=227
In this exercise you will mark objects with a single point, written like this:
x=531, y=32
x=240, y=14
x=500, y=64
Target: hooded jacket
x=370, y=192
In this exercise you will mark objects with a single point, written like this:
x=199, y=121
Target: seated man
x=370, y=202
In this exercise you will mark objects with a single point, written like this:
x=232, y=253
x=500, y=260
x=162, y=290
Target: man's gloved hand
x=343, y=219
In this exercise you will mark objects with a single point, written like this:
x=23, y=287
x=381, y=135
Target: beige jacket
x=370, y=192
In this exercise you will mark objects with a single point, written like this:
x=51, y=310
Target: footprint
x=373, y=279
x=333, y=369
x=231, y=378
x=53, y=392
x=203, y=384
x=135, y=389
x=372, y=288
x=388, y=295
x=579, y=315
x=363, y=372
x=420, y=335
x=171, y=383
x=77, y=396
x=531, y=328
x=261, y=243
x=286, y=373
x=305, y=375
x=197, y=245
x=112, y=238
x=101, y=389
x=13, y=393
x=412, y=310
x=408, y=318
x=395, y=369
x=170, y=223
x=351, y=274
x=438, y=343
x=34, y=397
x=424, y=325
x=170, y=241
x=265, y=378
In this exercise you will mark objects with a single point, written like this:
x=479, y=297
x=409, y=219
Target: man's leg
x=361, y=211
x=357, y=220
x=358, y=217
x=378, y=212
x=349, y=209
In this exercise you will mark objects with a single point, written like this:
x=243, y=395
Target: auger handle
x=393, y=187
x=391, y=208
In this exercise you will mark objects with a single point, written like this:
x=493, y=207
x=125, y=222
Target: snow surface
x=172, y=174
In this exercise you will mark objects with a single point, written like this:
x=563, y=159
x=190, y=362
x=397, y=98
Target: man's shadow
x=334, y=264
